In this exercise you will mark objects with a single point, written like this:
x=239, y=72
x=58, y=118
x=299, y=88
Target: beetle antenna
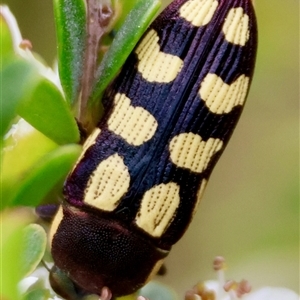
x=45, y=265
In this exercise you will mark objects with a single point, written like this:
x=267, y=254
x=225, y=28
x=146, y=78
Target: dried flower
x=233, y=290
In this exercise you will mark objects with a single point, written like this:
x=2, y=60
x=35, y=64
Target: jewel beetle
x=168, y=117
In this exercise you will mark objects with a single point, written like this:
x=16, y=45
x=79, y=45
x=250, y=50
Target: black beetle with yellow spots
x=168, y=117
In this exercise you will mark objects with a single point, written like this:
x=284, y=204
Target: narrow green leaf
x=125, y=8
x=16, y=78
x=51, y=169
x=34, y=246
x=47, y=111
x=70, y=20
x=24, y=147
x=6, y=38
x=126, y=38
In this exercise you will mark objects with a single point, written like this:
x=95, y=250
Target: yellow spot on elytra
x=236, y=27
x=91, y=140
x=158, y=208
x=154, y=65
x=220, y=97
x=188, y=150
x=55, y=223
x=198, y=12
x=134, y=124
x=107, y=184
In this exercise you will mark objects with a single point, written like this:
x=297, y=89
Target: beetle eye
x=47, y=212
x=62, y=284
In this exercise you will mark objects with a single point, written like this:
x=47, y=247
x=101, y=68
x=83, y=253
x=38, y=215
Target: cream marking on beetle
x=236, y=27
x=221, y=97
x=55, y=223
x=188, y=150
x=154, y=270
x=154, y=65
x=134, y=124
x=200, y=192
x=107, y=184
x=91, y=140
x=198, y=12
x=158, y=208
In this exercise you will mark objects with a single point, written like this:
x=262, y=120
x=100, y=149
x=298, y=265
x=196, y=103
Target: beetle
x=168, y=116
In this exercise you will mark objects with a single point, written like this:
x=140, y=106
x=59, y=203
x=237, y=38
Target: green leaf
x=70, y=20
x=37, y=294
x=123, y=9
x=51, y=169
x=6, y=38
x=128, y=297
x=35, y=241
x=36, y=99
x=12, y=224
x=15, y=83
x=126, y=38
x=46, y=110
x=23, y=149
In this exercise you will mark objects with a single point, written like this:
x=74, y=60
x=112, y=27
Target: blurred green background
x=250, y=211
